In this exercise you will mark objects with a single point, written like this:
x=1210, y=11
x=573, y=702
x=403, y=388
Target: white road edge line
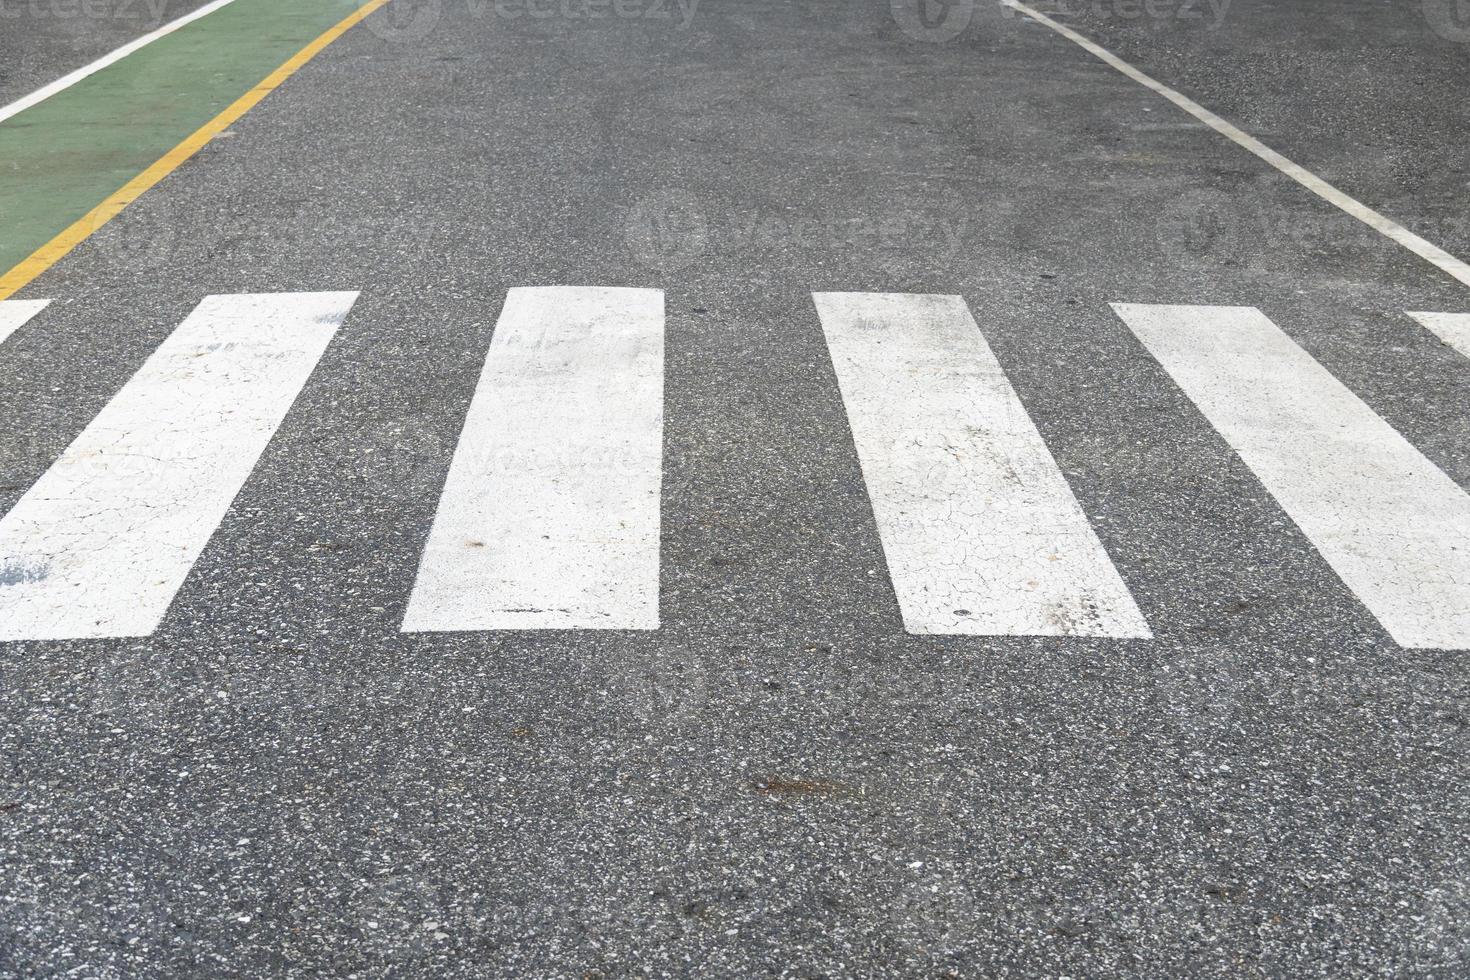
x=1452, y=328
x=1426, y=250
x=16, y=313
x=550, y=515
x=102, y=542
x=982, y=532
x=1394, y=526
x=67, y=81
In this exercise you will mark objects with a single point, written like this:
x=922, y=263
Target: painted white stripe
x=982, y=533
x=67, y=81
x=102, y=542
x=550, y=514
x=1452, y=328
x=15, y=313
x=1392, y=525
x=1426, y=250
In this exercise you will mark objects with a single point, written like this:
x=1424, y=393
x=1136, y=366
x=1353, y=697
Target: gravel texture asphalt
x=780, y=781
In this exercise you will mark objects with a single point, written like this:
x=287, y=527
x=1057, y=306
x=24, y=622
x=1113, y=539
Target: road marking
x=15, y=313
x=982, y=533
x=550, y=514
x=1452, y=328
x=103, y=541
x=52, y=252
x=1392, y=525
x=67, y=81
x=1426, y=250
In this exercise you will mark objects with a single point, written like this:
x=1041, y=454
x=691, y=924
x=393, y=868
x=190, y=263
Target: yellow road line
x=49, y=254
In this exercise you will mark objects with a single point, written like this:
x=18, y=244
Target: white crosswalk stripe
x=982, y=534
x=550, y=517
x=15, y=313
x=102, y=542
x=1392, y=525
x=1452, y=328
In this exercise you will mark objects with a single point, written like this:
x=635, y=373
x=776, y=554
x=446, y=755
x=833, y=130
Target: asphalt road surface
x=738, y=488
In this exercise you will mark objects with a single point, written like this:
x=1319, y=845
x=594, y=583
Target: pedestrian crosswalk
x=550, y=515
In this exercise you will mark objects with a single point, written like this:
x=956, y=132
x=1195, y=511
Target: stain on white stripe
x=1392, y=525
x=550, y=514
x=102, y=542
x=981, y=531
x=14, y=313
x=1452, y=328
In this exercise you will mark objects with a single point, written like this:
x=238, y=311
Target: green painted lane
x=63, y=157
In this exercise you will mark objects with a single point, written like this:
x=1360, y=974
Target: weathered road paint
x=982, y=533
x=100, y=545
x=1392, y=525
x=550, y=515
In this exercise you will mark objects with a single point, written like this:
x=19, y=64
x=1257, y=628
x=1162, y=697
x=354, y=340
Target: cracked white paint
x=1392, y=525
x=14, y=313
x=982, y=534
x=550, y=514
x=1452, y=328
x=102, y=542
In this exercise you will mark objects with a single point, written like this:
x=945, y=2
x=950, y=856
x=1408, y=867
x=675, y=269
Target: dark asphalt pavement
x=780, y=781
